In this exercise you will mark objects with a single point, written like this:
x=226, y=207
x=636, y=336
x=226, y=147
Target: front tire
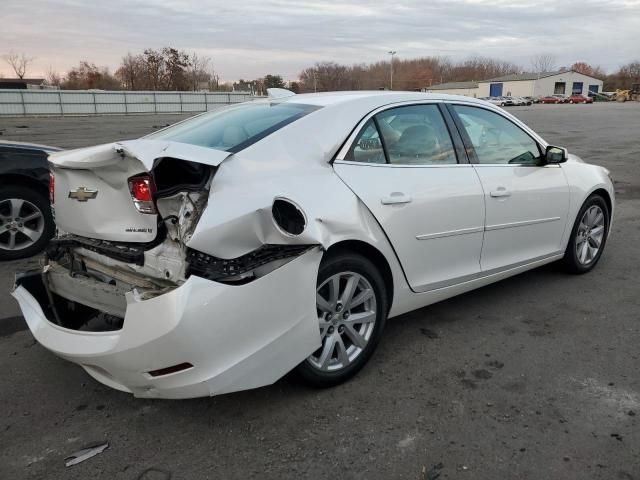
x=352, y=307
x=588, y=236
x=26, y=223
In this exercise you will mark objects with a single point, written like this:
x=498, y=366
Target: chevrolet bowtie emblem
x=82, y=194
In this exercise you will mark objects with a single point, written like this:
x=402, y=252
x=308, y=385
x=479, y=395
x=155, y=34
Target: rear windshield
x=234, y=128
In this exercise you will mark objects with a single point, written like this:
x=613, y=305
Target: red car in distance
x=550, y=99
x=580, y=99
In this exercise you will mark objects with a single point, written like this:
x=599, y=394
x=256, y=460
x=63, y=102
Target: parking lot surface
x=533, y=377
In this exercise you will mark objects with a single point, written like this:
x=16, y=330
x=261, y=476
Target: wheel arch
x=606, y=196
x=374, y=255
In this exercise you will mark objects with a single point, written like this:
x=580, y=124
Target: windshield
x=235, y=128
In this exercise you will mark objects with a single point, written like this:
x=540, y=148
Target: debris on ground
x=494, y=364
x=482, y=374
x=85, y=454
x=433, y=473
x=154, y=473
x=429, y=333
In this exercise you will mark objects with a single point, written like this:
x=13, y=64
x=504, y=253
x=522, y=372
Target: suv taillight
x=52, y=188
x=143, y=189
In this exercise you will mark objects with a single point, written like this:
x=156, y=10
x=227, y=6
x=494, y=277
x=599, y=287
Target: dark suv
x=26, y=223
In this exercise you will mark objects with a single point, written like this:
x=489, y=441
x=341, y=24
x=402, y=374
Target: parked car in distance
x=224, y=251
x=524, y=101
x=494, y=100
x=532, y=99
x=26, y=223
x=563, y=98
x=550, y=99
x=580, y=99
x=508, y=101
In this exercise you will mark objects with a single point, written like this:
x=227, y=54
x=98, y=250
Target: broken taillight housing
x=143, y=189
x=52, y=187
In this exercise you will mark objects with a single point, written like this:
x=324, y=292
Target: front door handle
x=500, y=192
x=394, y=198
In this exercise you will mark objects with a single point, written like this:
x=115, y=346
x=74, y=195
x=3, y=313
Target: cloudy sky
x=250, y=38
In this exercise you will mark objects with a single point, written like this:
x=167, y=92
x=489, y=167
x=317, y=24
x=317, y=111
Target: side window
x=416, y=135
x=367, y=148
x=497, y=140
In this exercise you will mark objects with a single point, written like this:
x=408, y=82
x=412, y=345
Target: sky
x=249, y=38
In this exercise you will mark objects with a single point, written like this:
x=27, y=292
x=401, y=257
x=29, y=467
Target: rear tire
x=588, y=236
x=347, y=344
x=26, y=223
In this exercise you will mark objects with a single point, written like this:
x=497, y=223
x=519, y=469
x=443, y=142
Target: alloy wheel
x=21, y=224
x=347, y=312
x=590, y=235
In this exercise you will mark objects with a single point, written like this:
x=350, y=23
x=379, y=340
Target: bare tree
x=544, y=62
x=53, y=77
x=131, y=72
x=19, y=62
x=197, y=71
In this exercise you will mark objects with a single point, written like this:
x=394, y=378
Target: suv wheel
x=26, y=223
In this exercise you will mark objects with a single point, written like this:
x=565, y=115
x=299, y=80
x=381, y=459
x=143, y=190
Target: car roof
x=384, y=97
x=28, y=146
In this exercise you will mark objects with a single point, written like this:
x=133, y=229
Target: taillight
x=52, y=188
x=143, y=189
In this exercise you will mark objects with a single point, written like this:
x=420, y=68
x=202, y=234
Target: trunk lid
x=91, y=194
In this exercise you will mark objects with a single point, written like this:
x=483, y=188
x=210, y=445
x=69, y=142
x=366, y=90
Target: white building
x=565, y=82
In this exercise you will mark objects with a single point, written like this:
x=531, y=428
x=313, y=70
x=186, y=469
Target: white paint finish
x=583, y=180
x=444, y=200
x=234, y=344
x=111, y=213
x=409, y=301
x=521, y=226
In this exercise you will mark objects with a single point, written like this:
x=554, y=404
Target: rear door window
x=411, y=135
x=416, y=135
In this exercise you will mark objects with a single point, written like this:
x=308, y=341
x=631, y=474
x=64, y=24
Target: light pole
x=392, y=53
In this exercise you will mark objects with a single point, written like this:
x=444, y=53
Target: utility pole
x=392, y=53
x=315, y=81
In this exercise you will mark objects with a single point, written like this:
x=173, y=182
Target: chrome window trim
x=340, y=157
x=392, y=165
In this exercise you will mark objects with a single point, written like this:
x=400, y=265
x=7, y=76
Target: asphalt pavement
x=534, y=377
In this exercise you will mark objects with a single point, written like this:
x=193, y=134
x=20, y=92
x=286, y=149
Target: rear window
x=235, y=128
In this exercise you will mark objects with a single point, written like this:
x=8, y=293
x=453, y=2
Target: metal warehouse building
x=566, y=82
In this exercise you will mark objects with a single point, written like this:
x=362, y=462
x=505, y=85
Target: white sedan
x=223, y=252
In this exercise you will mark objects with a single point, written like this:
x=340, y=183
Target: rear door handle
x=395, y=197
x=500, y=192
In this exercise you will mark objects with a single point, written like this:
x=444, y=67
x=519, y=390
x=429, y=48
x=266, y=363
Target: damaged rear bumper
x=236, y=337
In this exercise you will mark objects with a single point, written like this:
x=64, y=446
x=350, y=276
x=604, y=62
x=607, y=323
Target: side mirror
x=555, y=155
